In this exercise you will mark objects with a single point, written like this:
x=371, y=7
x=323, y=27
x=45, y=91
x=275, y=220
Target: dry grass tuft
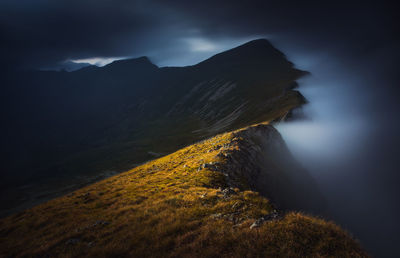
x=168, y=207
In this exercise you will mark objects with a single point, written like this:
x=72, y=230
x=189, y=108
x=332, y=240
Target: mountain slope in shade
x=64, y=129
x=200, y=201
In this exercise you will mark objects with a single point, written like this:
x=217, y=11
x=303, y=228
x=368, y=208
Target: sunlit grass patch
x=173, y=206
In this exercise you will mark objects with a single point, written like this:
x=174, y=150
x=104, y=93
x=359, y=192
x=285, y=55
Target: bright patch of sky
x=193, y=50
x=201, y=45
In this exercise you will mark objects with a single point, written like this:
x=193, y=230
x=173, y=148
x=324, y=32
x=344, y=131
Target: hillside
x=63, y=130
x=200, y=201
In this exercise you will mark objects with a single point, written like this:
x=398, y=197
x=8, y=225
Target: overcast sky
x=39, y=33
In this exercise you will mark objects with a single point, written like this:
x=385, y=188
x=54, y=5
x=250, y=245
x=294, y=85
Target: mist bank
x=349, y=139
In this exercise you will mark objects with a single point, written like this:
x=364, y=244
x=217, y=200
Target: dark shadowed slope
x=64, y=129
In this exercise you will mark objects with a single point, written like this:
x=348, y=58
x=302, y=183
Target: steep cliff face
x=264, y=161
x=201, y=201
x=258, y=158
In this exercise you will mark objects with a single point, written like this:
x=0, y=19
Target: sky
x=349, y=141
x=37, y=33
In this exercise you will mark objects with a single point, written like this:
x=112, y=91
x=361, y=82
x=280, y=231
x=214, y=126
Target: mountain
x=205, y=200
x=70, y=66
x=62, y=130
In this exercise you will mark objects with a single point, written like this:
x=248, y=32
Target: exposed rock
x=237, y=225
x=222, y=154
x=257, y=223
x=237, y=205
x=216, y=216
x=210, y=166
x=259, y=158
x=227, y=192
x=271, y=216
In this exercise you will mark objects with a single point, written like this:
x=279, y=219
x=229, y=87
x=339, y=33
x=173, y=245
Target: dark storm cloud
x=321, y=23
x=43, y=32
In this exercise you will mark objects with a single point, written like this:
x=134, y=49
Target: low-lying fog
x=348, y=141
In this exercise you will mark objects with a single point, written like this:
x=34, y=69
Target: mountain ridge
x=257, y=43
x=210, y=174
x=89, y=122
x=199, y=201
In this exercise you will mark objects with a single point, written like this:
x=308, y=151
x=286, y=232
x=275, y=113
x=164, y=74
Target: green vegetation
x=173, y=206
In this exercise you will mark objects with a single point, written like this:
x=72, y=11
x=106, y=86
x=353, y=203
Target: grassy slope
x=167, y=207
x=83, y=124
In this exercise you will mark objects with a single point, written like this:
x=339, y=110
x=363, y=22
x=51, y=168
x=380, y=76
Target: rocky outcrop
x=259, y=158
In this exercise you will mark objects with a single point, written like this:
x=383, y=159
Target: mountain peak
x=254, y=52
x=142, y=61
x=257, y=43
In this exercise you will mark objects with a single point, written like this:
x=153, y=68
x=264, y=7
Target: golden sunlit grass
x=169, y=207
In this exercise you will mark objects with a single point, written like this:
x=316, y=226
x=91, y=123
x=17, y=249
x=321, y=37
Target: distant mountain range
x=68, y=66
x=61, y=129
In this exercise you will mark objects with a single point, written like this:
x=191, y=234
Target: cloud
x=201, y=45
x=99, y=61
x=44, y=32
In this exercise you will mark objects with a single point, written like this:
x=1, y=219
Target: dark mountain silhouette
x=71, y=128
